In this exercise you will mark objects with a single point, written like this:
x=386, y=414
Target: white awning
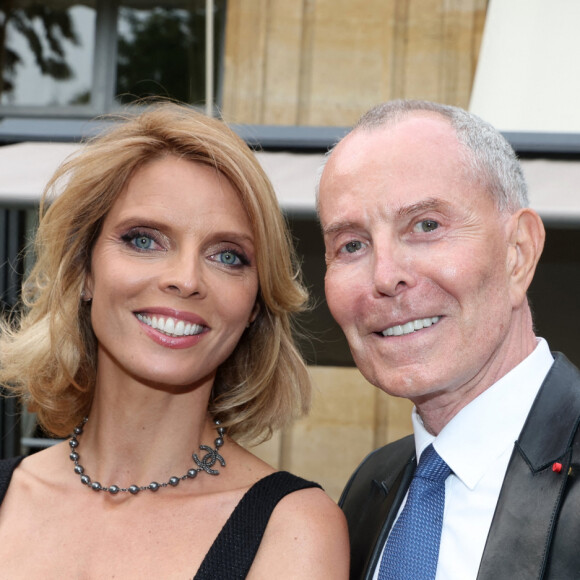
x=554, y=189
x=25, y=168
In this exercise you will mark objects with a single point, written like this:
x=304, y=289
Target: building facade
x=291, y=76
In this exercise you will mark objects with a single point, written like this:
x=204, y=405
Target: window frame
x=104, y=74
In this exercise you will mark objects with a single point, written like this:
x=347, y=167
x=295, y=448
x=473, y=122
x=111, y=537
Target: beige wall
x=349, y=418
x=324, y=62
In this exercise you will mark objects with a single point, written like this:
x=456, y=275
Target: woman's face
x=173, y=276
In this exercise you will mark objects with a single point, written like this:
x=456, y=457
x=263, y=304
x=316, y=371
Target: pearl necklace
x=206, y=464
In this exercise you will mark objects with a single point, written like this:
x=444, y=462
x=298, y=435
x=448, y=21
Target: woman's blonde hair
x=48, y=357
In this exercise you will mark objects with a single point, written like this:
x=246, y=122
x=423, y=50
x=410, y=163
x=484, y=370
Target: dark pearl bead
x=113, y=489
x=85, y=479
x=219, y=442
x=73, y=443
x=96, y=486
x=134, y=489
x=78, y=430
x=74, y=456
x=173, y=481
x=154, y=486
x=191, y=473
x=79, y=469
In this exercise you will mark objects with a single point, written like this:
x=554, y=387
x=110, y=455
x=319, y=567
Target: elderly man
x=430, y=249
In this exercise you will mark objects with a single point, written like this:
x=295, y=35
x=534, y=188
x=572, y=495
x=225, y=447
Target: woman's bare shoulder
x=306, y=537
x=38, y=469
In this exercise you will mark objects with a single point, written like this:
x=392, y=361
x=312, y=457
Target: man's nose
x=393, y=269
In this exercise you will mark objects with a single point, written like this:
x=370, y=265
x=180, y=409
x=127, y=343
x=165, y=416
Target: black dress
x=233, y=551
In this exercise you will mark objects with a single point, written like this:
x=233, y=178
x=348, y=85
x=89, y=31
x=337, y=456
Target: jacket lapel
x=519, y=537
x=371, y=500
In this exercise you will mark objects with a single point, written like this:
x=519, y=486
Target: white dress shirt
x=477, y=445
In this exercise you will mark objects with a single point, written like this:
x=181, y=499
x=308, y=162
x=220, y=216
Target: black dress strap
x=235, y=548
x=7, y=467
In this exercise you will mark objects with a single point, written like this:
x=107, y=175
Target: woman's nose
x=184, y=275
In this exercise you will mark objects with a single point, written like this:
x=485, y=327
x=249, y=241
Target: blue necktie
x=412, y=548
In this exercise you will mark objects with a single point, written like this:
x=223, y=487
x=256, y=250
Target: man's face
x=417, y=261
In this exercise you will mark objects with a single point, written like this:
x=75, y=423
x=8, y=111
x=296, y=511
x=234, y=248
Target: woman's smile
x=171, y=326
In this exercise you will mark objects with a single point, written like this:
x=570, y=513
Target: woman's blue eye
x=143, y=242
x=229, y=258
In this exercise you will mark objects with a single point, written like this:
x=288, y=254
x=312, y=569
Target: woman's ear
x=87, y=291
x=254, y=314
x=526, y=244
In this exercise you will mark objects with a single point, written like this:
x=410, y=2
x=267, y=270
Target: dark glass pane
x=46, y=53
x=161, y=49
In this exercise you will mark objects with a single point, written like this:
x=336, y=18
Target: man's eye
x=352, y=247
x=426, y=226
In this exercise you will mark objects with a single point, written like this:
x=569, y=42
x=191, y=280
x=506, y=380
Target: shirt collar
x=491, y=423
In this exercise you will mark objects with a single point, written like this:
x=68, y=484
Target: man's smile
x=409, y=327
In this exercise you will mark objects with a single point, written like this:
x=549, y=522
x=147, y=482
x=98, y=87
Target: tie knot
x=431, y=466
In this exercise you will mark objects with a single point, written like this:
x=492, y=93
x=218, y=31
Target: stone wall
x=324, y=62
x=349, y=418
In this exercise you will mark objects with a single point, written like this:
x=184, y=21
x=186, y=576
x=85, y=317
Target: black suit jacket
x=535, y=531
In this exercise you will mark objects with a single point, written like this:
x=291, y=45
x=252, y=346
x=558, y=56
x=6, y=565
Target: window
x=66, y=57
x=47, y=53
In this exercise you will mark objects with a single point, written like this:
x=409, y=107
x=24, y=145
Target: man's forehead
x=398, y=145
x=415, y=128
x=398, y=170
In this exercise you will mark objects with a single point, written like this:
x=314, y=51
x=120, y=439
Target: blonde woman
x=156, y=330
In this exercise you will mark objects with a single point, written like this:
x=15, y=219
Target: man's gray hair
x=489, y=158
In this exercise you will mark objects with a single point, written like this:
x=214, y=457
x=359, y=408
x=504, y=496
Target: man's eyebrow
x=429, y=204
x=338, y=227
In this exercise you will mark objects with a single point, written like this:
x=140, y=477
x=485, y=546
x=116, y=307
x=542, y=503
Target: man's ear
x=527, y=237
